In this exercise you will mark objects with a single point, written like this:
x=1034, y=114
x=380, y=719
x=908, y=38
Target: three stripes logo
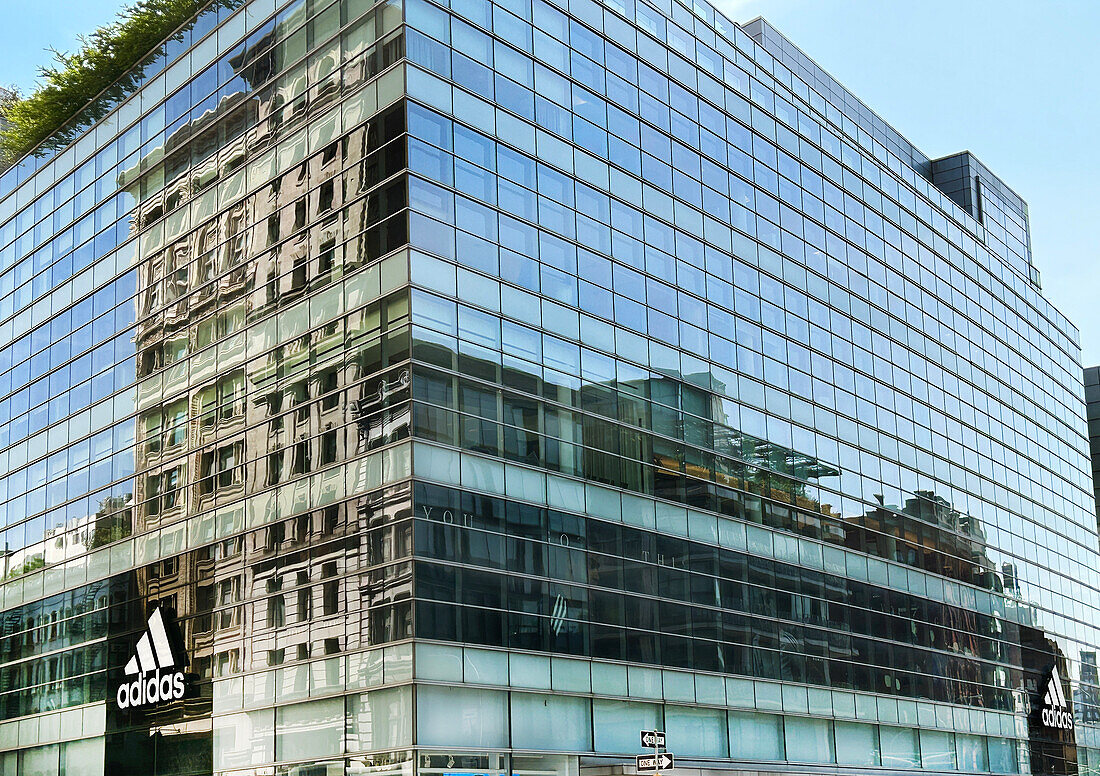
x=152, y=666
x=557, y=617
x=1055, y=711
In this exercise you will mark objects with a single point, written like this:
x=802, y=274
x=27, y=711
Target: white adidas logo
x=153, y=655
x=1055, y=713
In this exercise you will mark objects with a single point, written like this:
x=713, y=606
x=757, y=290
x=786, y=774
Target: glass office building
x=409, y=387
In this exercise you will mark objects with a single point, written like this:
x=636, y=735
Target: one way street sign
x=647, y=763
x=652, y=739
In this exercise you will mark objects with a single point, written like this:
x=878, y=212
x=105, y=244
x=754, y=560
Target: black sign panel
x=648, y=763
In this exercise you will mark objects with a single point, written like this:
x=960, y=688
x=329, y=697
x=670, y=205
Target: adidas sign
x=151, y=665
x=1055, y=711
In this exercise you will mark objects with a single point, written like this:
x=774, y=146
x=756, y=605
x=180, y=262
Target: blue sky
x=1015, y=82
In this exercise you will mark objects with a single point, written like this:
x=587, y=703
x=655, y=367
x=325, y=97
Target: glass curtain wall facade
x=471, y=386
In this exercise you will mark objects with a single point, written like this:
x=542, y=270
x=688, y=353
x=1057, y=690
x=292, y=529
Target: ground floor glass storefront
x=327, y=733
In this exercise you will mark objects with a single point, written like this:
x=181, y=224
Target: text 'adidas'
x=153, y=655
x=1055, y=712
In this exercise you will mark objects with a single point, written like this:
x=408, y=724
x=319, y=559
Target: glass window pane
x=1002, y=755
x=809, y=740
x=971, y=754
x=937, y=750
x=616, y=724
x=551, y=722
x=380, y=719
x=83, y=758
x=899, y=747
x=697, y=732
x=244, y=739
x=856, y=744
x=457, y=716
x=39, y=761
x=755, y=736
x=313, y=729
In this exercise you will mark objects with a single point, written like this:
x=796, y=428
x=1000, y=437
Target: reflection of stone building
x=712, y=450
x=225, y=414
x=929, y=533
x=261, y=411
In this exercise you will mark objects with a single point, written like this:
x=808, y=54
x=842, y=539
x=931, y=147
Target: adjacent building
x=1092, y=414
x=468, y=388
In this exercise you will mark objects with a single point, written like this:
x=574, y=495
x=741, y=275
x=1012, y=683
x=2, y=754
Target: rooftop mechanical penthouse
x=468, y=391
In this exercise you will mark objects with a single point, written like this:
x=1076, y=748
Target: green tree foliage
x=33, y=563
x=106, y=65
